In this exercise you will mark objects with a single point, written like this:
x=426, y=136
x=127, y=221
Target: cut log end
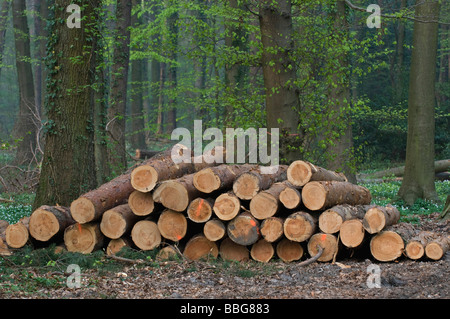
x=328, y=242
x=290, y=198
x=299, y=226
x=330, y=222
x=144, y=178
x=142, y=204
x=227, y=206
x=244, y=229
x=229, y=250
x=113, y=224
x=262, y=251
x=200, y=210
x=115, y=246
x=263, y=205
x=386, y=246
x=414, y=250
x=246, y=186
x=374, y=220
x=43, y=225
x=288, y=250
x=146, y=235
x=299, y=173
x=352, y=233
x=272, y=229
x=172, y=225
x=83, y=238
x=82, y=210
x=434, y=251
x=199, y=247
x=206, y=181
x=314, y=195
x=172, y=195
x=214, y=229
x=16, y=235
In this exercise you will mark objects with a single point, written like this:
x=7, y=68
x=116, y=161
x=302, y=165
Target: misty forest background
x=75, y=103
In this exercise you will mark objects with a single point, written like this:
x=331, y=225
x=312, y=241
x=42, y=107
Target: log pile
x=207, y=209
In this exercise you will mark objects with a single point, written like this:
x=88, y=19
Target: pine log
x=141, y=204
x=48, y=222
x=415, y=246
x=300, y=226
x=262, y=251
x=377, y=218
x=17, y=234
x=220, y=177
x=229, y=250
x=330, y=221
x=328, y=242
x=272, y=229
x=247, y=185
x=291, y=196
x=162, y=167
x=214, y=229
x=437, y=248
x=172, y=225
x=177, y=194
x=83, y=238
x=244, y=229
x=323, y=195
x=267, y=203
x=199, y=247
x=118, y=221
x=352, y=233
x=116, y=245
x=200, y=209
x=227, y=206
x=146, y=234
x=288, y=250
x=300, y=173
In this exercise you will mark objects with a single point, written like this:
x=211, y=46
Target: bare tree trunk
x=418, y=180
x=4, y=11
x=26, y=124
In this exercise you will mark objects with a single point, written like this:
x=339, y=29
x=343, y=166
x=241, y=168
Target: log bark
x=329, y=244
x=116, y=245
x=141, y=204
x=172, y=225
x=83, y=238
x=262, y=251
x=49, y=222
x=118, y=221
x=200, y=209
x=17, y=234
x=330, y=221
x=229, y=250
x=439, y=166
x=300, y=173
x=323, y=195
x=145, y=154
x=267, y=203
x=227, y=206
x=377, y=218
x=300, y=226
x=352, y=233
x=176, y=194
x=214, y=229
x=437, y=248
x=146, y=234
x=272, y=229
x=291, y=196
x=162, y=167
x=220, y=177
x=199, y=247
x=247, y=185
x=244, y=229
x=288, y=250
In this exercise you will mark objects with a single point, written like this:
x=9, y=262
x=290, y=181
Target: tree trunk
x=247, y=185
x=4, y=13
x=262, y=251
x=118, y=221
x=26, y=125
x=322, y=195
x=330, y=221
x=83, y=238
x=171, y=122
x=68, y=166
x=146, y=235
x=282, y=103
x=418, y=181
x=119, y=80
x=299, y=173
x=49, y=222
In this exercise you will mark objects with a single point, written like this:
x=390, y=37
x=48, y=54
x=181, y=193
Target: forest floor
x=348, y=278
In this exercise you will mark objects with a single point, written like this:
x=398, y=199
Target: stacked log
x=209, y=209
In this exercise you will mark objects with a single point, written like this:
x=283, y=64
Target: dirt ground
x=348, y=278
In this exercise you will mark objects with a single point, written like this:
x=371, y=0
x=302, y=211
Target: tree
x=68, y=167
x=26, y=125
x=118, y=93
x=418, y=180
x=282, y=104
